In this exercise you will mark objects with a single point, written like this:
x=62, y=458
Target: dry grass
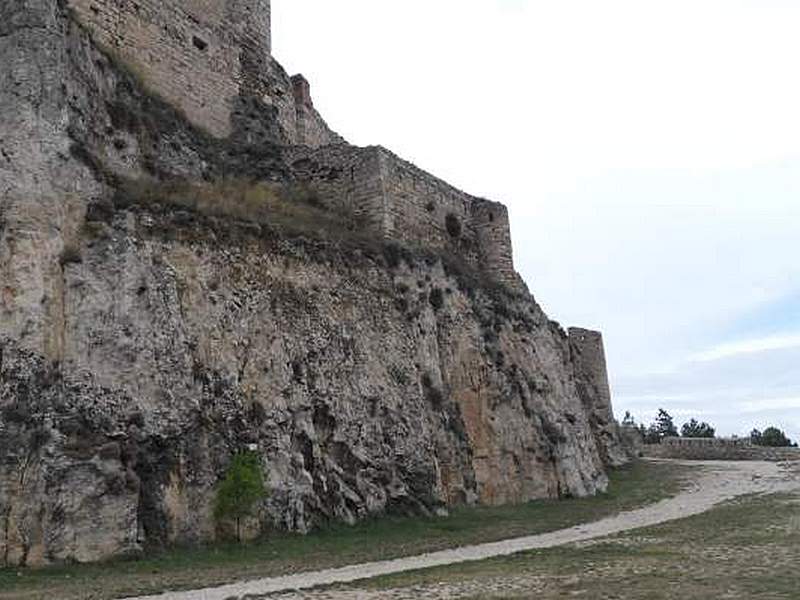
x=290, y=209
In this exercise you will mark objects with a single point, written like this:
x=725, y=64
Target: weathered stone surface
x=405, y=203
x=142, y=347
x=204, y=56
x=188, y=342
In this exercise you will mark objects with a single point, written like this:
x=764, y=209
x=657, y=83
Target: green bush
x=240, y=490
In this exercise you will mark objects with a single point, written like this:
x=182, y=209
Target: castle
x=213, y=60
x=143, y=342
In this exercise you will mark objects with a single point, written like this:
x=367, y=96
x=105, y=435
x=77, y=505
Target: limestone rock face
x=142, y=346
x=361, y=395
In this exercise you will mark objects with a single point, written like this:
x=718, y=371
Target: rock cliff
x=168, y=298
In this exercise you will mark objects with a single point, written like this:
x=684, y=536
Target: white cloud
x=753, y=346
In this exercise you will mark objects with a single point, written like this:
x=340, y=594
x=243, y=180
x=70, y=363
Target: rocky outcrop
x=368, y=385
x=144, y=341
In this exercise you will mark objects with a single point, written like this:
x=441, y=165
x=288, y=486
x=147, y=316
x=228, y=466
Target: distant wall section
x=718, y=449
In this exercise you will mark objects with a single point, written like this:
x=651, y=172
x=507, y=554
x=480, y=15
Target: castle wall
x=493, y=231
x=205, y=57
x=407, y=204
x=345, y=177
x=591, y=375
x=188, y=51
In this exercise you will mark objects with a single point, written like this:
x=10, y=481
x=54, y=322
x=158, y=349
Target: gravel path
x=719, y=482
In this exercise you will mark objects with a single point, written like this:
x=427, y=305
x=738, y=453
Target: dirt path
x=720, y=481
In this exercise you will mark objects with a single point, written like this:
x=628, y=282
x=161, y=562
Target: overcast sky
x=649, y=153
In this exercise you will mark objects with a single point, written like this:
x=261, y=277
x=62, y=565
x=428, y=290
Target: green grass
x=389, y=537
x=748, y=548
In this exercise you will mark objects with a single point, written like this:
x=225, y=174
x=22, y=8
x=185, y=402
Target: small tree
x=241, y=489
x=695, y=429
x=661, y=428
x=664, y=425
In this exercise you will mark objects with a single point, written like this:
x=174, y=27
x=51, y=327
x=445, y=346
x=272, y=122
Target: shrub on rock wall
x=453, y=225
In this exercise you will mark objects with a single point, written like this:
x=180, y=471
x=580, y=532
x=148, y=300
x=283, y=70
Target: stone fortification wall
x=493, y=232
x=410, y=205
x=210, y=58
x=718, y=449
x=591, y=375
x=189, y=51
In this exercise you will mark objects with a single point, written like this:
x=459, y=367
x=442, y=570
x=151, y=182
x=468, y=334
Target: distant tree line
x=664, y=426
x=772, y=437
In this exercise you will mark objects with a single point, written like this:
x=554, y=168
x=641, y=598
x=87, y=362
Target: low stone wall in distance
x=718, y=449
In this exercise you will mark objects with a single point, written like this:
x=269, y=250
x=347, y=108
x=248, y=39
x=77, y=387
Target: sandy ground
x=719, y=482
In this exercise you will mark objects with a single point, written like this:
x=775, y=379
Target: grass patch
x=747, y=548
x=291, y=209
x=389, y=537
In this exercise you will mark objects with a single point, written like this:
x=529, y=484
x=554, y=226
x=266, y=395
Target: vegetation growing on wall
x=453, y=225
